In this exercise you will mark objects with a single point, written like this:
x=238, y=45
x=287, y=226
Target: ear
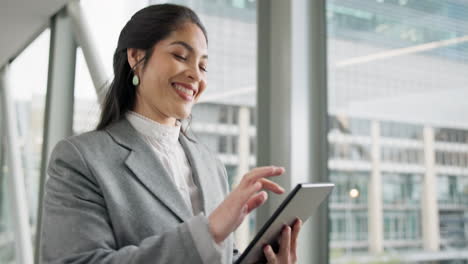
x=134, y=56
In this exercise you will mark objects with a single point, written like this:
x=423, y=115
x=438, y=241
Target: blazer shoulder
x=91, y=138
x=90, y=144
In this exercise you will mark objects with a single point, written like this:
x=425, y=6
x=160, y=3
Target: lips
x=185, y=91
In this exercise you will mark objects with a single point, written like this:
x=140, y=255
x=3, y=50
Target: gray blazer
x=109, y=200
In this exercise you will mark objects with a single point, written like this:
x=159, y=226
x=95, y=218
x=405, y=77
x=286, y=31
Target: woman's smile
x=185, y=91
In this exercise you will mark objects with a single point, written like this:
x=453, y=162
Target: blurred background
x=397, y=111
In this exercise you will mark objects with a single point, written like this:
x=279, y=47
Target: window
x=451, y=135
x=347, y=181
x=389, y=65
x=222, y=144
x=223, y=115
x=401, y=155
x=452, y=190
x=86, y=110
x=28, y=95
x=401, y=225
x=401, y=189
x=401, y=130
x=348, y=151
x=348, y=125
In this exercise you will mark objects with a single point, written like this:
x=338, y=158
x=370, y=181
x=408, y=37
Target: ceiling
x=21, y=21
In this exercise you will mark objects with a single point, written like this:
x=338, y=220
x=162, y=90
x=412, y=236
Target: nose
x=194, y=73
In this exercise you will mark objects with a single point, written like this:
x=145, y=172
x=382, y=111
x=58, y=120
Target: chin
x=184, y=114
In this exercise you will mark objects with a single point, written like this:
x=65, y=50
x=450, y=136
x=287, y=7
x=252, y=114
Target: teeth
x=184, y=90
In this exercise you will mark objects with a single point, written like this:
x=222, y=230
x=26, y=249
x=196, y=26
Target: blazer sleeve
x=76, y=227
x=235, y=252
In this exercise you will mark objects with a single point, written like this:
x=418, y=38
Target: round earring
x=135, y=80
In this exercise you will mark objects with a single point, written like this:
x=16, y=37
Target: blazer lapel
x=147, y=168
x=200, y=170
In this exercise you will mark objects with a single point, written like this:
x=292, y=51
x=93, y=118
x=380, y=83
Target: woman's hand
x=288, y=246
x=242, y=200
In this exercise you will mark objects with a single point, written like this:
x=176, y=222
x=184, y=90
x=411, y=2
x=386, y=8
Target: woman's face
x=174, y=76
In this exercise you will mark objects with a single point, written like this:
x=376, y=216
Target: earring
x=135, y=80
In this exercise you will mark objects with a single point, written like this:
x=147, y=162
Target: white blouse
x=164, y=141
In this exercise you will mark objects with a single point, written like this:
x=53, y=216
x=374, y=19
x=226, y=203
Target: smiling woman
x=156, y=46
x=137, y=190
x=174, y=77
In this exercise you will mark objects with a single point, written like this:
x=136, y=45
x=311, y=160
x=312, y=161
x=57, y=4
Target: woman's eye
x=203, y=68
x=180, y=57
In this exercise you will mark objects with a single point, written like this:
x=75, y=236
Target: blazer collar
x=205, y=171
x=149, y=169
x=199, y=165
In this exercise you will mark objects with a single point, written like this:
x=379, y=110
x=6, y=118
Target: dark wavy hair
x=146, y=28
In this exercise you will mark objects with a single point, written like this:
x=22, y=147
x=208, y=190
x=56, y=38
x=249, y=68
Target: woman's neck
x=155, y=115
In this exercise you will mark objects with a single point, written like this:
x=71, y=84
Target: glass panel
x=7, y=248
x=86, y=108
x=391, y=63
x=348, y=212
x=29, y=102
x=105, y=32
x=401, y=189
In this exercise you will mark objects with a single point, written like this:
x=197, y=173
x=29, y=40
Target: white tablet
x=301, y=203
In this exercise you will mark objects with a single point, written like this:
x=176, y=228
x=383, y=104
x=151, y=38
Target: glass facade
x=452, y=197
x=403, y=167
x=29, y=102
x=391, y=64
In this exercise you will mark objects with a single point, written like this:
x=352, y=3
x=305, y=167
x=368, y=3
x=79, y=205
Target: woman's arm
x=77, y=229
x=247, y=196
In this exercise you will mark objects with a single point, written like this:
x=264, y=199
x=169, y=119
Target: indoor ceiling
x=21, y=21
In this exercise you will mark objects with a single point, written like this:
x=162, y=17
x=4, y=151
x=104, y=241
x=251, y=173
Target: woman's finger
x=269, y=254
x=252, y=182
x=285, y=243
x=272, y=186
x=261, y=172
x=249, y=191
x=295, y=234
x=257, y=200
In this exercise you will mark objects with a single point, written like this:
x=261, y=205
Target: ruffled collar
x=153, y=129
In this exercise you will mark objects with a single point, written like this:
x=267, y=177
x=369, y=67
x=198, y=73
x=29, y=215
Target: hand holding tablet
x=301, y=203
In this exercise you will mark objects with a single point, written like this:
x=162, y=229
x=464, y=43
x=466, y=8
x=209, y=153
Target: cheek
x=156, y=83
x=202, y=89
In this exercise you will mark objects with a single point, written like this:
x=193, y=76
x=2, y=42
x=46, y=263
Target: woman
x=140, y=189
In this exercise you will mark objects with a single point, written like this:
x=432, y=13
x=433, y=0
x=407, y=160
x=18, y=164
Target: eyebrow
x=187, y=46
